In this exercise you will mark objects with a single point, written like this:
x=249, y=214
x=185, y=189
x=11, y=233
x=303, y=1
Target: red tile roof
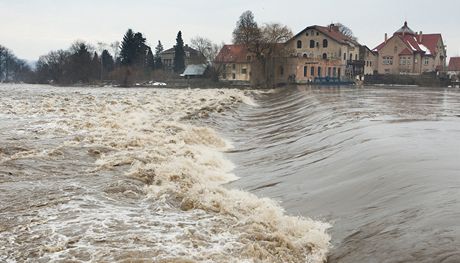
x=431, y=41
x=423, y=43
x=454, y=64
x=233, y=54
x=427, y=46
x=406, y=52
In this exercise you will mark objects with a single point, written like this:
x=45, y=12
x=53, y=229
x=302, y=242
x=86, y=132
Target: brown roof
x=454, y=64
x=233, y=54
x=331, y=32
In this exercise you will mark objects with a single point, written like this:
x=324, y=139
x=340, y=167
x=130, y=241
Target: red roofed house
x=234, y=63
x=453, y=70
x=408, y=52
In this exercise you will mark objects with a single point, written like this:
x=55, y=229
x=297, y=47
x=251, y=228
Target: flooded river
x=288, y=175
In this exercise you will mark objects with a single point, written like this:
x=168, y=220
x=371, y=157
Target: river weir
x=133, y=175
x=224, y=175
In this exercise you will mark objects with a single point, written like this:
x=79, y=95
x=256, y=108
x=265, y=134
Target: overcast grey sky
x=34, y=27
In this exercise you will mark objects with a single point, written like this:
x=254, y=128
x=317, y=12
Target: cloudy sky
x=33, y=27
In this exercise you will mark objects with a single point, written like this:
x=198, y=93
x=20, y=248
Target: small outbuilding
x=195, y=71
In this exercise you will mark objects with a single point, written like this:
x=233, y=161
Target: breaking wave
x=134, y=175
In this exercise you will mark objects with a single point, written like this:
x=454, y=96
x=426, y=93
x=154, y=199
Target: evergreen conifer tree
x=179, y=54
x=150, y=59
x=107, y=61
x=140, y=58
x=128, y=49
x=158, y=50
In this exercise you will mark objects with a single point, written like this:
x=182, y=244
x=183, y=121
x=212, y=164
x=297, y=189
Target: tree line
x=129, y=61
x=13, y=69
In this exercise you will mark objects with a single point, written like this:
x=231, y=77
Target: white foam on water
x=167, y=200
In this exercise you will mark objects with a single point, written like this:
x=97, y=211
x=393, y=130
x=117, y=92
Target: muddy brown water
x=381, y=163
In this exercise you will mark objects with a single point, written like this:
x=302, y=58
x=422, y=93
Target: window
x=325, y=43
x=317, y=44
x=244, y=71
x=324, y=56
x=299, y=44
x=351, y=56
x=312, y=43
x=339, y=72
x=281, y=71
x=233, y=76
x=426, y=61
x=367, y=63
x=317, y=33
x=402, y=61
x=305, y=71
x=370, y=63
x=307, y=34
x=233, y=66
x=329, y=72
x=334, y=72
x=387, y=60
x=248, y=58
x=356, y=56
x=319, y=71
x=344, y=56
x=312, y=71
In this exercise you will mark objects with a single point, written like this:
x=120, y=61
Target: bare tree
x=345, y=30
x=205, y=47
x=276, y=33
x=115, y=46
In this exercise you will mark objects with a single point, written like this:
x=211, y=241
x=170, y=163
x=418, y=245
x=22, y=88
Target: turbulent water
x=171, y=175
x=134, y=175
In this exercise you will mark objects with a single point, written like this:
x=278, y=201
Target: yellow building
x=323, y=52
x=234, y=63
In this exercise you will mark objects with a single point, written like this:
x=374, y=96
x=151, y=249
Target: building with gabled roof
x=409, y=52
x=453, y=70
x=234, y=63
x=192, y=56
x=323, y=52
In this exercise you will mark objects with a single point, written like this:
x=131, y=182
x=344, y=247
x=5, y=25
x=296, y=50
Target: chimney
x=420, y=37
x=386, y=38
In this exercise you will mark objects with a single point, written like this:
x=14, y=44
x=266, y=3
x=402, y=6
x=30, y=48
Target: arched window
x=356, y=57
x=312, y=43
x=324, y=56
x=351, y=56
x=325, y=43
x=305, y=71
x=299, y=44
x=305, y=55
